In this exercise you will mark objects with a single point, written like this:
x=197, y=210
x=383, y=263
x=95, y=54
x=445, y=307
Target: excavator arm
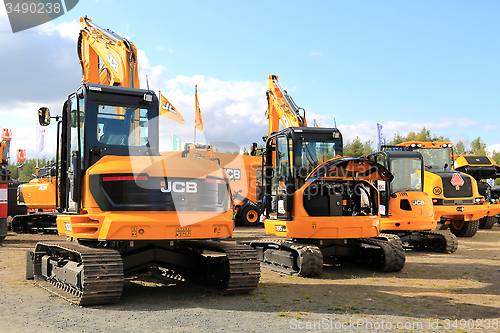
x=282, y=107
x=106, y=57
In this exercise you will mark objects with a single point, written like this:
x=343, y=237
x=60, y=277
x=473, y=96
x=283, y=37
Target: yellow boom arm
x=282, y=107
x=106, y=57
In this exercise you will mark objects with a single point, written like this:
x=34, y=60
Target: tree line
x=356, y=148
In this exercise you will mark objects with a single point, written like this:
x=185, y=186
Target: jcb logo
x=418, y=202
x=179, y=187
x=234, y=174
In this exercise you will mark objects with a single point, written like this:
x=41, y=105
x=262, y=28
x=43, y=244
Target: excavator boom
x=282, y=107
x=106, y=57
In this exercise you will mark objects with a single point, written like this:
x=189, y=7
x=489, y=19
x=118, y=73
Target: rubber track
x=102, y=275
x=391, y=238
x=309, y=257
x=244, y=269
x=393, y=254
x=450, y=241
x=243, y=265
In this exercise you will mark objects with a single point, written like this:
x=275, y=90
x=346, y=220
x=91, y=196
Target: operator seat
x=113, y=134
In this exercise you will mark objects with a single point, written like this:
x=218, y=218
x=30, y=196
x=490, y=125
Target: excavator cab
x=100, y=121
x=292, y=154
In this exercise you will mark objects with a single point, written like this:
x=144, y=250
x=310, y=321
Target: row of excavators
x=125, y=206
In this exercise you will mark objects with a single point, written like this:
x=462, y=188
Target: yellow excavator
x=124, y=207
x=324, y=206
x=455, y=195
x=481, y=168
x=406, y=210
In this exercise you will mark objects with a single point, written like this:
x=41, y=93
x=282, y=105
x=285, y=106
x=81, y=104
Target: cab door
x=281, y=179
x=72, y=153
x=382, y=186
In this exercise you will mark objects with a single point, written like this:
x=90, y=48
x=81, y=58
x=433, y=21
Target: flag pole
x=195, y=106
x=37, y=134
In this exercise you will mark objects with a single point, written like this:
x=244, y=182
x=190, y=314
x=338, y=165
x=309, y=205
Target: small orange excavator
x=324, y=206
x=406, y=210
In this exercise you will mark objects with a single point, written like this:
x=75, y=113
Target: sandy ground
x=434, y=292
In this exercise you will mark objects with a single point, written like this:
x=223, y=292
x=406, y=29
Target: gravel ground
x=432, y=293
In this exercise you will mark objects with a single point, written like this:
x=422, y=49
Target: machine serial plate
x=182, y=232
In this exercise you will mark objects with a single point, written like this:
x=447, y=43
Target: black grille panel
x=451, y=191
x=124, y=193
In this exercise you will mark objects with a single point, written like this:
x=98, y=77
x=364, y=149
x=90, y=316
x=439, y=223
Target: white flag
x=41, y=139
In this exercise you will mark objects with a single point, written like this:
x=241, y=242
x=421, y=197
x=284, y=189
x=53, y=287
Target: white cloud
x=232, y=111
x=493, y=148
x=316, y=54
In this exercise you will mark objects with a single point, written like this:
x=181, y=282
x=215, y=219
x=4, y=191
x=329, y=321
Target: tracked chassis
x=87, y=275
x=442, y=241
x=305, y=257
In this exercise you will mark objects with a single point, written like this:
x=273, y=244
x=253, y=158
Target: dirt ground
x=457, y=292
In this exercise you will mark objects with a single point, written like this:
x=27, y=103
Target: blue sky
x=404, y=64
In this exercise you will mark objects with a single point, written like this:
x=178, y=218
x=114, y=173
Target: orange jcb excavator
x=481, y=168
x=325, y=205
x=127, y=208
x=455, y=195
x=406, y=210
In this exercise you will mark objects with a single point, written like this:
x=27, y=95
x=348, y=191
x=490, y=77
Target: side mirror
x=44, y=116
x=253, y=150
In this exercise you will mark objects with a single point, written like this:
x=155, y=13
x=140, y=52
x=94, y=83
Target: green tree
x=423, y=135
x=367, y=148
x=460, y=148
x=354, y=149
x=27, y=172
x=477, y=147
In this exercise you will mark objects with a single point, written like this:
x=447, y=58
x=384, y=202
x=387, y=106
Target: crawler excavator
x=123, y=206
x=406, y=210
x=481, y=168
x=455, y=195
x=323, y=205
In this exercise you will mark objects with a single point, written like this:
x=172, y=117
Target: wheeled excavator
x=406, y=210
x=455, y=195
x=324, y=206
x=123, y=206
x=481, y=168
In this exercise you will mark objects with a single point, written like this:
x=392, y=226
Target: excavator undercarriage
x=92, y=272
x=305, y=257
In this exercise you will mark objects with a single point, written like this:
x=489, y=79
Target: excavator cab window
x=122, y=126
x=436, y=159
x=407, y=175
x=311, y=153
